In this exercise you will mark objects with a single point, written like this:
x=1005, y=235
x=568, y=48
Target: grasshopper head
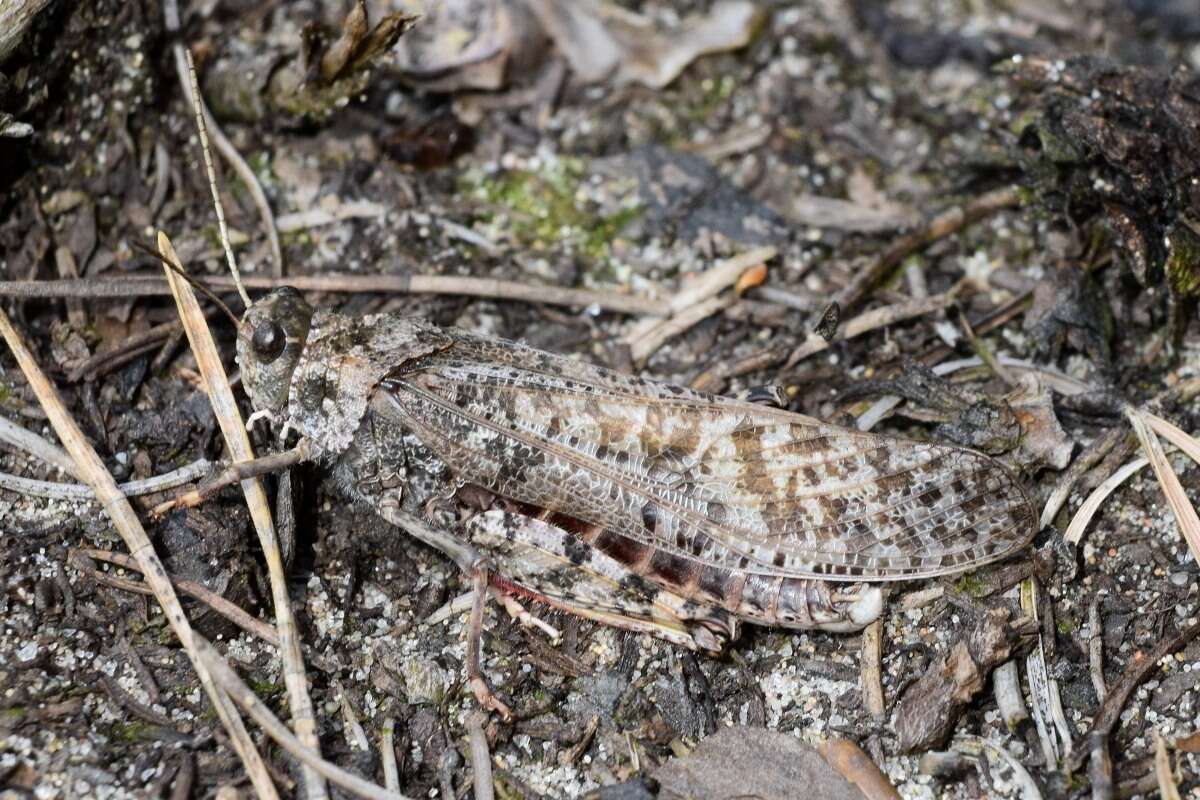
x=271, y=338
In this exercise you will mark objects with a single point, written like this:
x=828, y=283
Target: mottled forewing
x=728, y=483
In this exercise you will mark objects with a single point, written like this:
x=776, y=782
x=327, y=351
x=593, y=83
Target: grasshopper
x=642, y=505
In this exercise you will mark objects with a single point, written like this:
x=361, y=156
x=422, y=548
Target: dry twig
x=152, y=286
x=1145, y=426
x=870, y=670
x=225, y=408
x=857, y=767
x=80, y=491
x=481, y=760
x=1136, y=673
x=713, y=378
x=1167, y=788
x=944, y=224
x=235, y=473
x=199, y=591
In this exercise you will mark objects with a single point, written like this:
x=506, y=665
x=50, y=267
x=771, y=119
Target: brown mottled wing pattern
x=728, y=483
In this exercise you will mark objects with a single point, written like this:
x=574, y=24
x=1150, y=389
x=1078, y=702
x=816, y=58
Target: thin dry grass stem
x=150, y=286
x=92, y=470
x=871, y=671
x=1175, y=435
x=14, y=435
x=1177, y=499
x=81, y=491
x=1048, y=717
x=64, y=261
x=356, y=735
x=205, y=122
x=387, y=753
x=241, y=694
x=187, y=76
x=1168, y=789
x=225, y=608
x=481, y=760
x=1096, y=649
x=230, y=419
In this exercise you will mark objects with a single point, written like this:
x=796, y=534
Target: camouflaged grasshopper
x=639, y=504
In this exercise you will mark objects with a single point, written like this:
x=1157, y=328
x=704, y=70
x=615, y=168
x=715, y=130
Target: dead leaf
x=1043, y=440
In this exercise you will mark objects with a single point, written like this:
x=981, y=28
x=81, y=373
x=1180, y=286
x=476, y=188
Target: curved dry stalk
x=1090, y=457
x=1175, y=435
x=80, y=491
x=230, y=419
x=92, y=470
x=14, y=435
x=1083, y=516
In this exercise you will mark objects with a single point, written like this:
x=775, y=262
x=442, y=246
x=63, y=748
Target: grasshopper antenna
x=195, y=283
x=194, y=86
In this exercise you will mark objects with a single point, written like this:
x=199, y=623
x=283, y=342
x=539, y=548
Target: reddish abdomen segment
x=771, y=600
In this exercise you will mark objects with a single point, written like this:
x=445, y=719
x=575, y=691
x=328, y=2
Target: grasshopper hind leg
x=550, y=564
x=473, y=564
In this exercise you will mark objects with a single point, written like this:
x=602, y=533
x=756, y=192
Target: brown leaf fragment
x=354, y=31
x=928, y=710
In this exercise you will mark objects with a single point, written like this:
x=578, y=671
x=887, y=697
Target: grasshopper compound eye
x=268, y=341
